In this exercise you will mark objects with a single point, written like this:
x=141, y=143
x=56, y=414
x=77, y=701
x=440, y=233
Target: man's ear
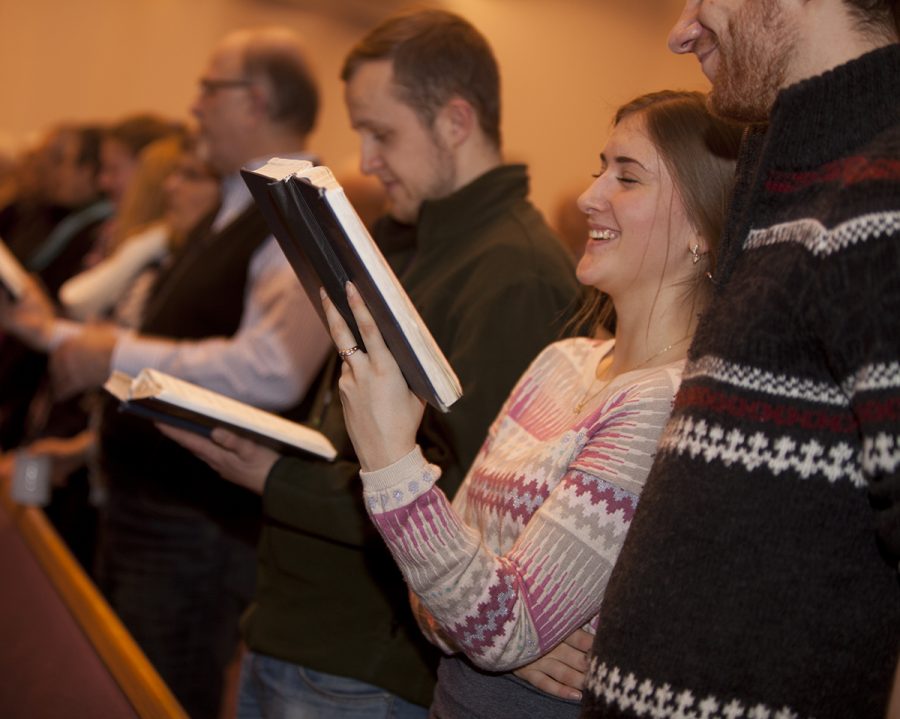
x=258, y=97
x=455, y=122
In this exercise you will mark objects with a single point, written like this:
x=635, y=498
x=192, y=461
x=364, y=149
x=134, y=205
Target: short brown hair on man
x=273, y=55
x=436, y=55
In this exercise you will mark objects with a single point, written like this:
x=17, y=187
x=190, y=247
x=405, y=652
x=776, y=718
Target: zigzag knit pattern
x=645, y=699
x=522, y=556
x=822, y=241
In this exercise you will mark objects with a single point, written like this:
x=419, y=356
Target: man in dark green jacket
x=331, y=633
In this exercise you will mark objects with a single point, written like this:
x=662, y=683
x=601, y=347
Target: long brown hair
x=700, y=153
x=144, y=200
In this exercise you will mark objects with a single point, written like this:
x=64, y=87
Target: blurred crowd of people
x=93, y=212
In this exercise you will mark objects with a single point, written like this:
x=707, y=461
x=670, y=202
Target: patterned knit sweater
x=759, y=578
x=522, y=556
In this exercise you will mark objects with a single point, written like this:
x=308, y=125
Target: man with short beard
x=759, y=577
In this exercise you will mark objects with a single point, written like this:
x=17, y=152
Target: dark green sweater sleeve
x=491, y=345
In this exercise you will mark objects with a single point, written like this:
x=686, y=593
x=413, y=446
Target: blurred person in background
x=184, y=192
x=57, y=218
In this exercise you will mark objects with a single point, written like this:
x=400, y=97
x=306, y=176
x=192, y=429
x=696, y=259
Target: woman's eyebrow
x=623, y=160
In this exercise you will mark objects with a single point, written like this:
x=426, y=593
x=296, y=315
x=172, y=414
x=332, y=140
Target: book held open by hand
x=159, y=397
x=327, y=245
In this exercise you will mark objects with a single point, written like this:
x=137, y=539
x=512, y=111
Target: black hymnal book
x=159, y=397
x=12, y=275
x=327, y=245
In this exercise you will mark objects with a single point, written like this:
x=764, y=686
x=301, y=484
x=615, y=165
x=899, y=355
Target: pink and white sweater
x=522, y=556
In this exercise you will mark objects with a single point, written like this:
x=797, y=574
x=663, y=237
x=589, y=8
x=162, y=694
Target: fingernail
x=351, y=290
x=323, y=294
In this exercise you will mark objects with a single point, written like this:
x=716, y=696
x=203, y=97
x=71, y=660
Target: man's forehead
x=372, y=90
x=372, y=78
x=226, y=60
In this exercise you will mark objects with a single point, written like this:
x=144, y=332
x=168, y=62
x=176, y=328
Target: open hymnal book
x=162, y=398
x=327, y=245
x=12, y=275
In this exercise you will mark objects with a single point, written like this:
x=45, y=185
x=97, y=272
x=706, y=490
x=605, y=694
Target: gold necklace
x=662, y=351
x=589, y=395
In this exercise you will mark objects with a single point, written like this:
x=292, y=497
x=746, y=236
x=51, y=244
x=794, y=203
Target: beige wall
x=566, y=65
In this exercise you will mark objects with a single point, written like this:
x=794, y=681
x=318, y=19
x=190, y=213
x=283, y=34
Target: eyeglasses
x=211, y=85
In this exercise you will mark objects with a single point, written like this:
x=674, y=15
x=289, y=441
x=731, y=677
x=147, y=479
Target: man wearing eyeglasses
x=177, y=559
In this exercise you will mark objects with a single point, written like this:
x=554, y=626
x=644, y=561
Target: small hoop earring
x=695, y=254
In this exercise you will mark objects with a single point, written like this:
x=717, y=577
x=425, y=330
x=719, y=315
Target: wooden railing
x=125, y=661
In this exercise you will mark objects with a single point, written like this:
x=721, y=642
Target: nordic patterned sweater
x=522, y=556
x=759, y=578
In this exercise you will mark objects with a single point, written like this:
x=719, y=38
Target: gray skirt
x=465, y=692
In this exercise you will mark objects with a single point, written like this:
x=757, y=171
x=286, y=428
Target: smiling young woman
x=521, y=558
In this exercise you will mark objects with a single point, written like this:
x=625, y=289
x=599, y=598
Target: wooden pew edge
x=137, y=678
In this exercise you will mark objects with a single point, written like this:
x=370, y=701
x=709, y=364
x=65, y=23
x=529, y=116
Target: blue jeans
x=275, y=689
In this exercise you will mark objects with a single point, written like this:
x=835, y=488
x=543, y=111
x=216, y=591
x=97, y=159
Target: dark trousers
x=179, y=583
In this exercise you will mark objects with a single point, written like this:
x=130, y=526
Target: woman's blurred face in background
x=192, y=192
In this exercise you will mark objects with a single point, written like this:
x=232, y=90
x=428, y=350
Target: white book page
x=151, y=383
x=118, y=385
x=280, y=167
x=445, y=381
